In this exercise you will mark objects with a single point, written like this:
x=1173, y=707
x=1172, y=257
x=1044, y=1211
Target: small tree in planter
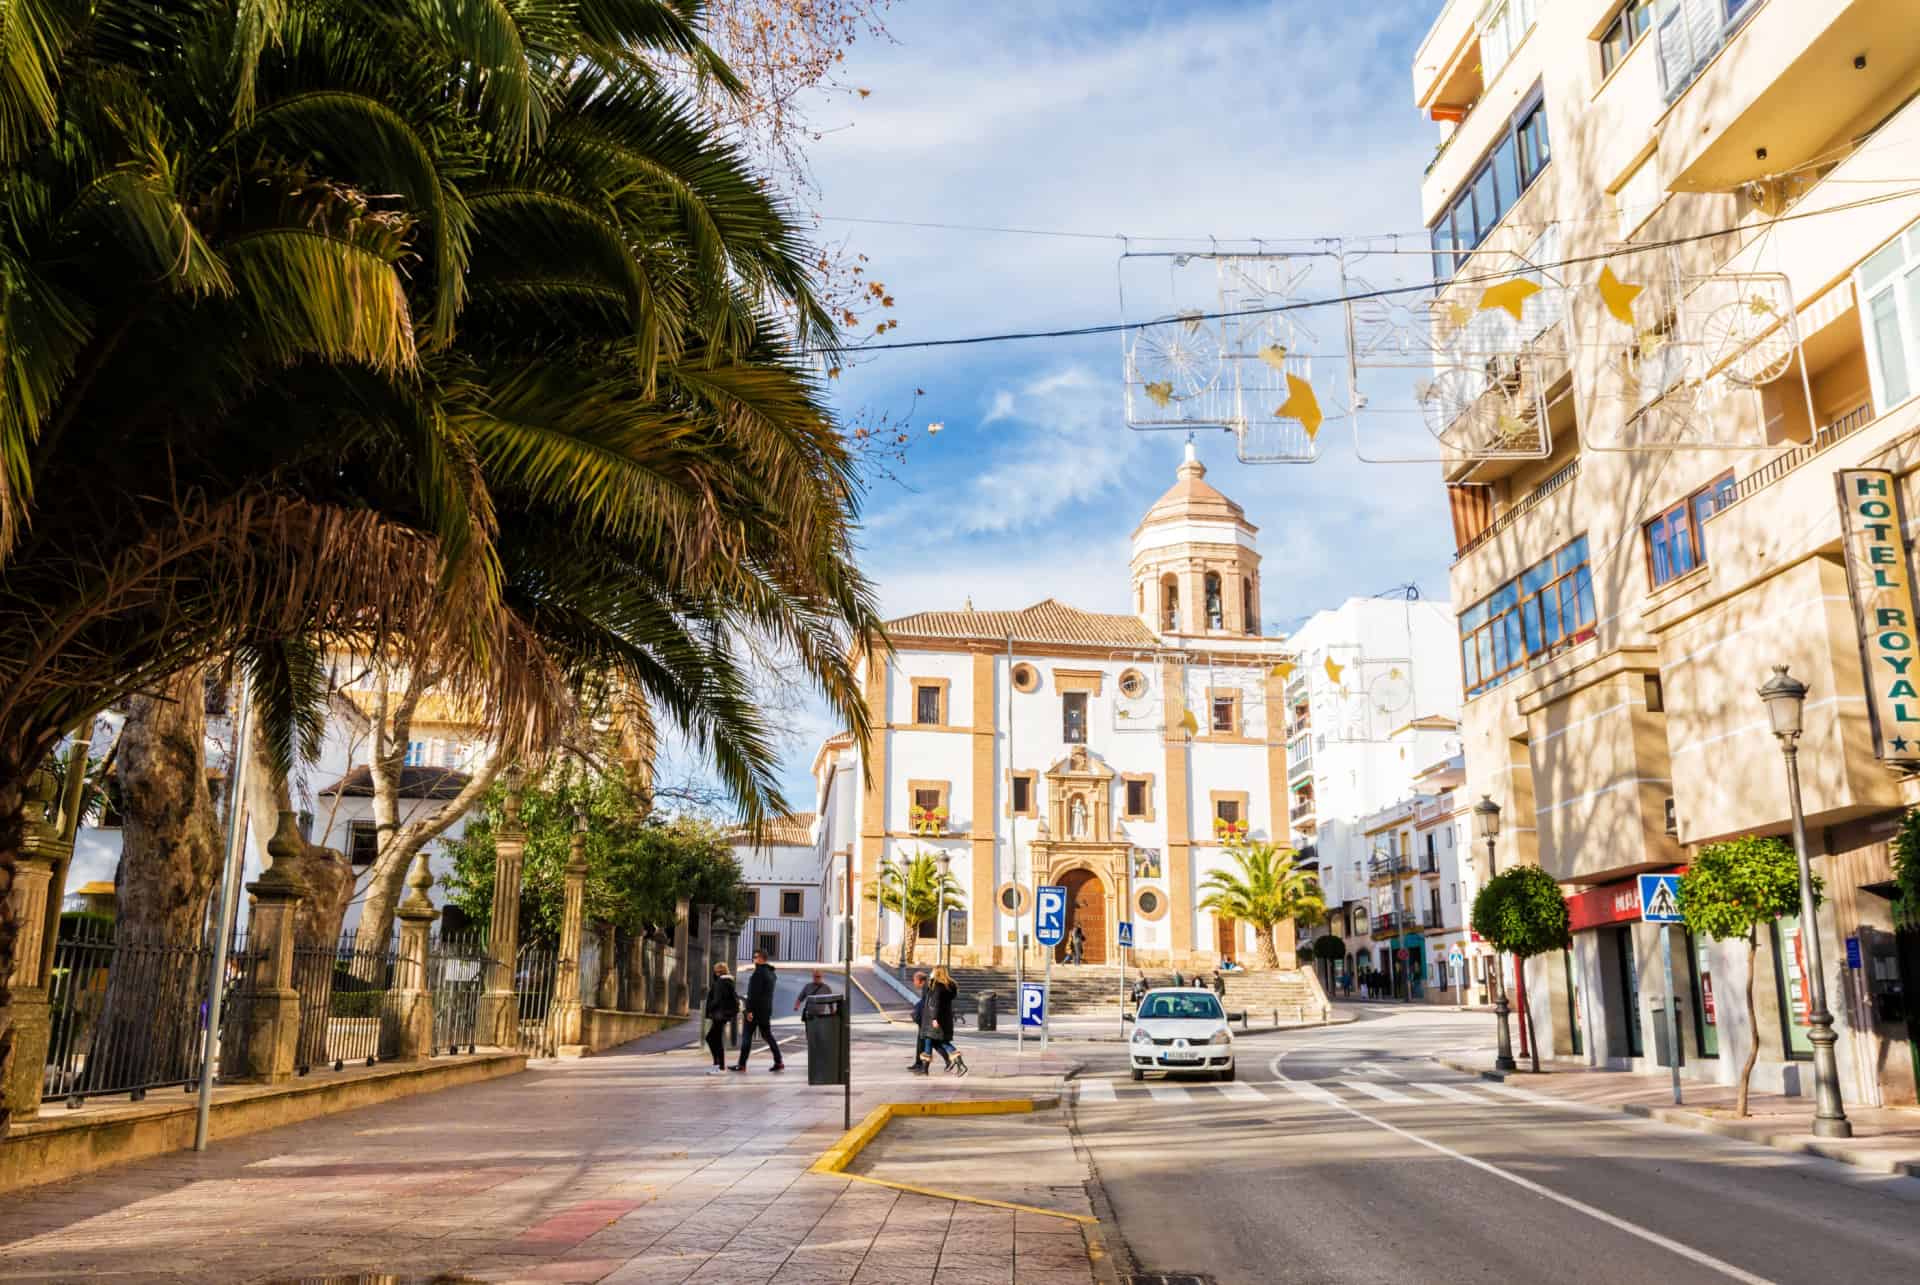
x=1329, y=950
x=1521, y=911
x=1728, y=891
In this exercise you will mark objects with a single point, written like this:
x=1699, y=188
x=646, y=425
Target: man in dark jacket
x=760, y=1013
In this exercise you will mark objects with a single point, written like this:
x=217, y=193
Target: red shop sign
x=1610, y=903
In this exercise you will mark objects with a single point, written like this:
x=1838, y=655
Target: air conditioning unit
x=1673, y=820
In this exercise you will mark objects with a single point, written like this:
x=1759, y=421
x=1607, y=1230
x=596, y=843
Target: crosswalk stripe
x=1096, y=1090
x=1450, y=1093
x=1241, y=1092
x=1312, y=1092
x=1507, y=1091
x=1168, y=1092
x=1380, y=1091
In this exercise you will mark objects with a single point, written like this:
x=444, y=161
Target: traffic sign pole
x=1673, y=1009
x=1046, y=1012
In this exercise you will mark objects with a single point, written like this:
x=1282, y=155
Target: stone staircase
x=1086, y=988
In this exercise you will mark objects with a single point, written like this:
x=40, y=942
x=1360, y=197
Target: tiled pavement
x=625, y=1168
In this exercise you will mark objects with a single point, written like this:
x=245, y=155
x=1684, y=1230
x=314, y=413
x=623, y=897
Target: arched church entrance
x=1086, y=907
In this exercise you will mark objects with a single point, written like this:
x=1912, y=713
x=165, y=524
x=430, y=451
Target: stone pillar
x=41, y=850
x=653, y=957
x=499, y=1011
x=567, y=1021
x=704, y=960
x=412, y=1009
x=267, y=1018
x=677, y=979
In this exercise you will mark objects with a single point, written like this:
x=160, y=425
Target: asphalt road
x=1348, y=1155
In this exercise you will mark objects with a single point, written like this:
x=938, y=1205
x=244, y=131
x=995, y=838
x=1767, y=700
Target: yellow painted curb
x=871, y=1000
x=837, y=1157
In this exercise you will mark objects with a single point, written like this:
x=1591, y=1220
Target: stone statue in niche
x=1077, y=819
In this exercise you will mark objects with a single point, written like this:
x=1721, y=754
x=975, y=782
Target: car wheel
x=1227, y=1074
x=1138, y=1074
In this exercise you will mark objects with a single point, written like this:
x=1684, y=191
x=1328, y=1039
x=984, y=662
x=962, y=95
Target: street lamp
x=1486, y=824
x=1786, y=697
x=940, y=942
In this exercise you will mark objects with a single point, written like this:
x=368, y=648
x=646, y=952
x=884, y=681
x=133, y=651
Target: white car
x=1180, y=1029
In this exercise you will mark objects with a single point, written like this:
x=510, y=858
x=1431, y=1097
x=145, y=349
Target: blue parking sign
x=1050, y=914
x=1126, y=934
x=1033, y=1004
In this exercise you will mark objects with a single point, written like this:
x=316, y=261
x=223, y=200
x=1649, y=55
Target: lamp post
x=1785, y=697
x=1486, y=823
x=940, y=924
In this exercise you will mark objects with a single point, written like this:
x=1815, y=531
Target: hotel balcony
x=1382, y=869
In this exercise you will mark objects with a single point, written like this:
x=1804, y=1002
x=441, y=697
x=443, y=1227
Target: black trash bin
x=986, y=1011
x=826, y=1039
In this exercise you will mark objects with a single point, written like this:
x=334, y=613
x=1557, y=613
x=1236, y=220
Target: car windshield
x=1195, y=1006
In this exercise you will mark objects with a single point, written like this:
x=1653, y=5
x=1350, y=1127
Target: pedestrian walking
x=818, y=986
x=942, y=990
x=1078, y=953
x=722, y=1006
x=760, y=1013
x=919, y=1022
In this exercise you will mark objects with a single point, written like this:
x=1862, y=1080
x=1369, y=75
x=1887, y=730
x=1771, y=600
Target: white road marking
x=1241, y=1092
x=1380, y=1091
x=1687, y=1252
x=1311, y=1091
x=1095, y=1090
x=1374, y=1068
x=1450, y=1093
x=1522, y=1095
x=1168, y=1092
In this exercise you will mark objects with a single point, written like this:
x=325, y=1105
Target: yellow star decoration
x=1302, y=405
x=1618, y=295
x=1759, y=306
x=1160, y=393
x=1394, y=672
x=1334, y=671
x=1511, y=295
x=1283, y=671
x=1651, y=342
x=1189, y=722
x=1458, y=313
x=1275, y=355
x=1509, y=428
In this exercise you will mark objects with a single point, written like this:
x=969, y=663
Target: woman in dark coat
x=941, y=993
x=723, y=1005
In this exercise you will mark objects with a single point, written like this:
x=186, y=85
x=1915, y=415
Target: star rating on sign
x=1899, y=744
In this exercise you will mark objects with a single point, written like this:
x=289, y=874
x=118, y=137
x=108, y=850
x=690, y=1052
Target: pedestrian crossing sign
x=1126, y=933
x=1660, y=899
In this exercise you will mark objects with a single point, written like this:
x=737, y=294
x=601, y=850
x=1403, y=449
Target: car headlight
x=1221, y=1036
x=1141, y=1037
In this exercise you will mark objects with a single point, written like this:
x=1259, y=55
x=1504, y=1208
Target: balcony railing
x=1691, y=32
x=1778, y=467
x=1534, y=499
x=1301, y=810
x=1383, y=867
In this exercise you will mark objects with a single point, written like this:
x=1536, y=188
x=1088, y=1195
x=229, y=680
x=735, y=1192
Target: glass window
x=1534, y=154
x=1442, y=249
x=1506, y=169
x=926, y=704
x=1486, y=204
x=1706, y=1018
x=1022, y=794
x=1136, y=798
x=1524, y=620
x=1223, y=713
x=1073, y=717
x=1625, y=31
x=1227, y=810
x=1676, y=540
x=1509, y=168
x=1796, y=1005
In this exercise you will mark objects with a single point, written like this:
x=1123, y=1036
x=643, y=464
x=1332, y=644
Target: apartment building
x=1743, y=170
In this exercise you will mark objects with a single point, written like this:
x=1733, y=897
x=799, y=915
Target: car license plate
x=1183, y=1055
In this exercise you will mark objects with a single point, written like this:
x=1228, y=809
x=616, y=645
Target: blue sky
x=1168, y=119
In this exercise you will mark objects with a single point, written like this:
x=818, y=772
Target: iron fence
x=589, y=979
x=533, y=980
x=346, y=1003
x=456, y=976
x=127, y=1015
x=625, y=955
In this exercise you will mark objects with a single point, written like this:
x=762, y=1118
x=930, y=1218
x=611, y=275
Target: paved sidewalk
x=623, y=1168
x=1886, y=1139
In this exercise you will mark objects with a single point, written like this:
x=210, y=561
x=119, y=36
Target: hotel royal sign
x=1881, y=585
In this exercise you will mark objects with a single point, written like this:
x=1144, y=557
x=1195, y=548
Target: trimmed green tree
x=1522, y=912
x=1264, y=888
x=1728, y=891
x=913, y=889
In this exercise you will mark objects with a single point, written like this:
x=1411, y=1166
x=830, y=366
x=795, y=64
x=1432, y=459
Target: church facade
x=1116, y=755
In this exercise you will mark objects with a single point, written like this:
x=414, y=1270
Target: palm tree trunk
x=1753, y=1040
x=1269, y=947
x=13, y=796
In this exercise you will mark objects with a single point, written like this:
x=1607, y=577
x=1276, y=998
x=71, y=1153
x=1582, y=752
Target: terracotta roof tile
x=794, y=830
x=1046, y=621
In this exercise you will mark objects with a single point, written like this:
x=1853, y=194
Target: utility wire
x=1077, y=332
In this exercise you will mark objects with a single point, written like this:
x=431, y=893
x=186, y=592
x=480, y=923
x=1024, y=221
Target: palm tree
x=441, y=332
x=1264, y=888
x=916, y=891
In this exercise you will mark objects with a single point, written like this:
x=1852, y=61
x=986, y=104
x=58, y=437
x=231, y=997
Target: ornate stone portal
x=1076, y=834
